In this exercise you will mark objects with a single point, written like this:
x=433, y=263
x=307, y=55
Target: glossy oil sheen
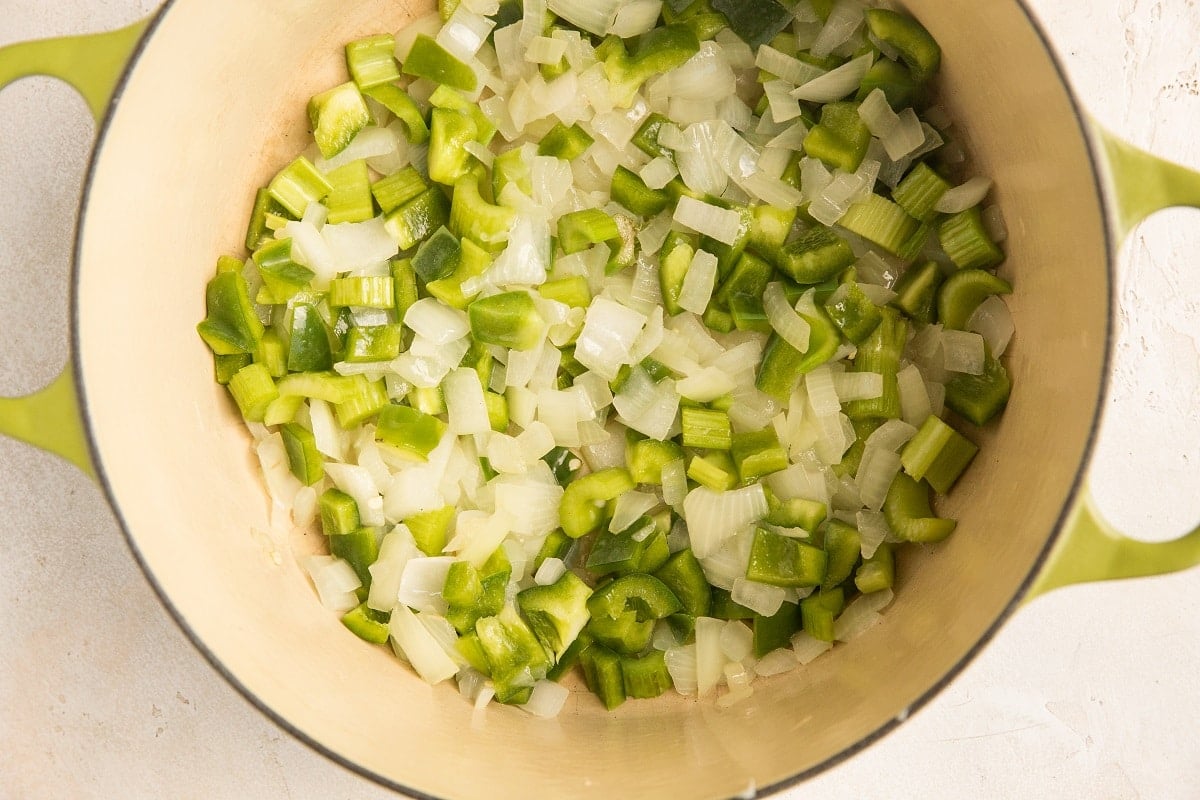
x=215, y=105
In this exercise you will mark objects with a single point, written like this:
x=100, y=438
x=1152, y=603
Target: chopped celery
x=372, y=61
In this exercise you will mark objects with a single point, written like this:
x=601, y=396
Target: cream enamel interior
x=215, y=105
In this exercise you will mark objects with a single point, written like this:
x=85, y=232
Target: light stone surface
x=1088, y=693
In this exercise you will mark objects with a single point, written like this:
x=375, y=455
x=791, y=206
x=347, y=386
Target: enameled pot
x=195, y=117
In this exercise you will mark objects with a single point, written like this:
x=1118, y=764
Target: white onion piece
x=629, y=507
x=698, y=282
x=715, y=516
x=993, y=321
x=784, y=107
x=334, y=580
x=608, y=335
x=654, y=233
x=682, y=665
x=358, y=246
x=737, y=640
x=357, y=482
x=738, y=678
x=875, y=474
x=815, y=177
x=836, y=84
x=968, y=195
x=873, y=530
x=436, y=321
x=708, y=220
x=709, y=659
x=547, y=698
x=792, y=137
x=785, y=67
x=421, y=584
x=544, y=50
x=776, y=662
x=784, y=320
x=735, y=113
x=858, y=385
x=822, y=394
x=758, y=597
x=730, y=562
x=963, y=351
x=706, y=385
x=420, y=647
x=549, y=572
x=674, y=484
x=861, y=615
x=914, y=398
x=465, y=32
x=695, y=157
x=395, y=551
x=465, y=404
x=705, y=76
x=891, y=435
x=844, y=21
x=659, y=172
x=994, y=224
x=635, y=18
x=806, y=648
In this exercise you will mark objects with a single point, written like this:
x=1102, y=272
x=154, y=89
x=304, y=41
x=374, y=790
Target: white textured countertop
x=1088, y=693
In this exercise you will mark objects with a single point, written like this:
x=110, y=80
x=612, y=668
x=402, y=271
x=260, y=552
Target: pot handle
x=1090, y=549
x=92, y=64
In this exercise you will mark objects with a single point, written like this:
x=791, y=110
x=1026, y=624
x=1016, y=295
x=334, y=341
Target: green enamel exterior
x=51, y=418
x=1090, y=549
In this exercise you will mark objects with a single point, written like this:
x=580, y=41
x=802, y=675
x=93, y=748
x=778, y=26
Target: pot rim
x=1096, y=160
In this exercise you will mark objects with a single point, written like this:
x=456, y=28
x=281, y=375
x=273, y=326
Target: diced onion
x=547, y=699
x=674, y=483
x=807, y=648
x=465, y=402
x=709, y=659
x=963, y=351
x=420, y=647
x=708, y=220
x=421, y=584
x=436, y=321
x=784, y=320
x=549, y=572
x=835, y=84
x=608, y=335
x=715, y=516
x=758, y=597
x=335, y=582
x=873, y=530
x=698, y=282
x=861, y=615
x=629, y=507
x=682, y=666
x=844, y=20
x=968, y=195
x=914, y=398
x=993, y=321
x=737, y=641
x=777, y=662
